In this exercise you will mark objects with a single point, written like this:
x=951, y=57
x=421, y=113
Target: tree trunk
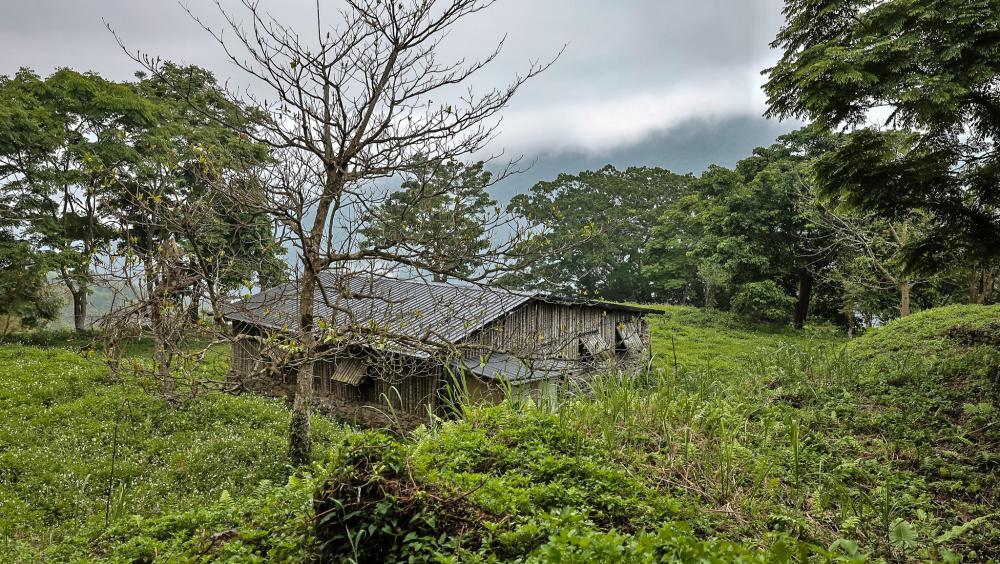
x=156, y=301
x=300, y=427
x=194, y=309
x=980, y=284
x=904, y=298
x=161, y=355
x=805, y=296
x=79, y=308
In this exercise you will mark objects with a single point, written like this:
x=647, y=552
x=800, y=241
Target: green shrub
x=762, y=301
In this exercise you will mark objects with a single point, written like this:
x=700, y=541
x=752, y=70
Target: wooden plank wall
x=245, y=357
x=549, y=330
x=410, y=389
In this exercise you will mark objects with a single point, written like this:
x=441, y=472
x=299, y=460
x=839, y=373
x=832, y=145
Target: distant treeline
x=757, y=239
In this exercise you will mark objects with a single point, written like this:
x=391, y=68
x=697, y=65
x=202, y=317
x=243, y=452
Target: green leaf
x=959, y=530
x=902, y=535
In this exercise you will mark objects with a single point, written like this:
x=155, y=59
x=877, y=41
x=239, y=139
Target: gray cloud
x=669, y=82
x=690, y=147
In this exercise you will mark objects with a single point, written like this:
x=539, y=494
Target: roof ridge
x=421, y=281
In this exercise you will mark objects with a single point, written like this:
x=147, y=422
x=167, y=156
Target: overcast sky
x=672, y=83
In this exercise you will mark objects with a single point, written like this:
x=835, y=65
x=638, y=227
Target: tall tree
x=597, y=225
x=746, y=236
x=181, y=235
x=929, y=67
x=439, y=216
x=351, y=104
x=683, y=240
x=64, y=141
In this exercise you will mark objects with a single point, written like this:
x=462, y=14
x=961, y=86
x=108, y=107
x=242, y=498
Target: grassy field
x=758, y=444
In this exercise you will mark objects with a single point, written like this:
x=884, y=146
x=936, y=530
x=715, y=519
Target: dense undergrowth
x=758, y=444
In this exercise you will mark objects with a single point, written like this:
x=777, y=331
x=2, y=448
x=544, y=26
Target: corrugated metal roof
x=396, y=311
x=407, y=316
x=509, y=368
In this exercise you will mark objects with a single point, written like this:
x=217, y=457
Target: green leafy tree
x=439, y=217
x=595, y=228
x=932, y=65
x=753, y=223
x=186, y=209
x=684, y=238
x=64, y=142
x=27, y=298
x=714, y=276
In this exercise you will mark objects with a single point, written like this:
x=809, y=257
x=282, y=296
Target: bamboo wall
x=246, y=357
x=543, y=330
x=405, y=394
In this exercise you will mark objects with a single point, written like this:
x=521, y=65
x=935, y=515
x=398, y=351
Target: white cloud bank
x=596, y=126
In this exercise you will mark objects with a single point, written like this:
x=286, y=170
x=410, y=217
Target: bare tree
x=351, y=106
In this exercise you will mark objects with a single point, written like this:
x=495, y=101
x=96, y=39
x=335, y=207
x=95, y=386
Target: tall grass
x=732, y=441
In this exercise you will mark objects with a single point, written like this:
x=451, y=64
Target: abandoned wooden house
x=404, y=349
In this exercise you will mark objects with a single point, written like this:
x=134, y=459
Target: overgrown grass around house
x=759, y=444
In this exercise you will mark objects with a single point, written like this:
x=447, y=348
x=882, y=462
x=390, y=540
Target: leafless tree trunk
x=875, y=249
x=300, y=431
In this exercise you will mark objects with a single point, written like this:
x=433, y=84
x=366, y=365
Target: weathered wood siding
x=406, y=394
x=543, y=330
x=246, y=357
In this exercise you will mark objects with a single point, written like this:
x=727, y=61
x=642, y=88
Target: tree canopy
x=87, y=165
x=744, y=237
x=439, y=216
x=65, y=142
x=595, y=227
x=925, y=72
